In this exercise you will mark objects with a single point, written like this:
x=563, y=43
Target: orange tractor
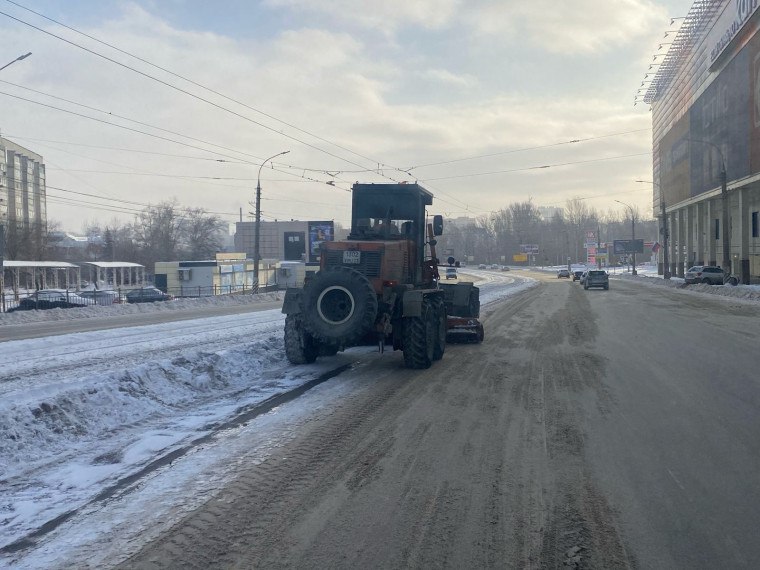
x=381, y=285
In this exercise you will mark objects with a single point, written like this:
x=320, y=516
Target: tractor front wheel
x=420, y=337
x=300, y=347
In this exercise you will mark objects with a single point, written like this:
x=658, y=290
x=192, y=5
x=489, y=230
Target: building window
x=717, y=228
x=755, y=229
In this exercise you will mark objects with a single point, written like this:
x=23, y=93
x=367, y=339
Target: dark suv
x=708, y=274
x=596, y=278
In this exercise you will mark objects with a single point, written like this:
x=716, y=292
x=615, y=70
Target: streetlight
x=633, y=236
x=2, y=226
x=19, y=58
x=663, y=230
x=258, y=219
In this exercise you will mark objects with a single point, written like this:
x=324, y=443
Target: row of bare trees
x=165, y=232
x=496, y=237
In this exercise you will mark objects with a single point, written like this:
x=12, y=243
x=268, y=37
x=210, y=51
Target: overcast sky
x=455, y=94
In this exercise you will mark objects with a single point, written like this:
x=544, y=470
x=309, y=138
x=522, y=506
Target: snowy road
x=84, y=416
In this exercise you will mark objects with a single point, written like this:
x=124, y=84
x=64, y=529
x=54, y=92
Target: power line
x=539, y=167
x=501, y=153
x=209, y=89
x=10, y=136
x=184, y=91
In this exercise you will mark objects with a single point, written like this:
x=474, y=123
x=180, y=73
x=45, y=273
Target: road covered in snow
x=96, y=427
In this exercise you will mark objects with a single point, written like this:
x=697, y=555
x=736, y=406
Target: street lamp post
x=2, y=225
x=663, y=230
x=257, y=235
x=633, y=235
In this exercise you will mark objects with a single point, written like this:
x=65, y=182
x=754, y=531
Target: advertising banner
x=624, y=246
x=520, y=257
x=318, y=233
x=529, y=248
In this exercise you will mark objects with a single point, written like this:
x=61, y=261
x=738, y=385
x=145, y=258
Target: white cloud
x=448, y=78
x=386, y=16
x=581, y=26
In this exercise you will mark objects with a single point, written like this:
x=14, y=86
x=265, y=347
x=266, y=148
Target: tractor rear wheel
x=419, y=338
x=339, y=306
x=300, y=347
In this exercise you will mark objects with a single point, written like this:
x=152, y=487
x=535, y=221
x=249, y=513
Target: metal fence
x=61, y=298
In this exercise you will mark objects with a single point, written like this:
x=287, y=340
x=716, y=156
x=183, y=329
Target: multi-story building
x=23, y=209
x=705, y=102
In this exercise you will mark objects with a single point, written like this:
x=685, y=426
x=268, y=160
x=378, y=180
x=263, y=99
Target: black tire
x=339, y=306
x=439, y=308
x=300, y=347
x=733, y=281
x=419, y=338
x=474, y=303
x=481, y=335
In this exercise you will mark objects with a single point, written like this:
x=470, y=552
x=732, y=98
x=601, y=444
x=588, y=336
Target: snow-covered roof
x=112, y=264
x=40, y=264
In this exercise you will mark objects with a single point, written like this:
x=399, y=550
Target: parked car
x=577, y=274
x=708, y=274
x=563, y=273
x=50, y=299
x=482, y=266
x=101, y=296
x=505, y=268
x=147, y=295
x=596, y=278
x=451, y=273
x=494, y=266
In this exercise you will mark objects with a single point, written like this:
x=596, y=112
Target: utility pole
x=257, y=235
x=726, y=230
x=665, y=236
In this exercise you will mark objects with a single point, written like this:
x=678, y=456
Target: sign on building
x=319, y=232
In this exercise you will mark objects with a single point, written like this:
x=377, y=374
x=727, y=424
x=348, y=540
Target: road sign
x=531, y=248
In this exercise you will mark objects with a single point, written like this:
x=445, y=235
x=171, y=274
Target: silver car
x=596, y=278
x=708, y=274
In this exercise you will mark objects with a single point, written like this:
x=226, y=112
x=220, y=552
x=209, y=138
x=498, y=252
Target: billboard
x=624, y=246
x=529, y=248
x=318, y=233
x=520, y=257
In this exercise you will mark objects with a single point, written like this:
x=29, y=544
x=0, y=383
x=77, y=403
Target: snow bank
x=19, y=317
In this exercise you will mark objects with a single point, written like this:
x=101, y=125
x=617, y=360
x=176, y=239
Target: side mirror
x=437, y=225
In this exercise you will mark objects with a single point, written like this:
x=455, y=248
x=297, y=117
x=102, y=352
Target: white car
x=451, y=273
x=101, y=296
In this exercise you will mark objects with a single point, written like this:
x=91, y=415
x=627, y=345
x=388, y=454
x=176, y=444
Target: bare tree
x=157, y=232
x=201, y=234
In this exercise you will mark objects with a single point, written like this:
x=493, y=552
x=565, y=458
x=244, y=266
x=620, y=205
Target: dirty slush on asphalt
x=478, y=462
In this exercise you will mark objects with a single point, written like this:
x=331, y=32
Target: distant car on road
x=708, y=274
x=451, y=273
x=494, y=266
x=563, y=273
x=505, y=268
x=482, y=266
x=577, y=274
x=101, y=296
x=596, y=278
x=50, y=299
x=147, y=295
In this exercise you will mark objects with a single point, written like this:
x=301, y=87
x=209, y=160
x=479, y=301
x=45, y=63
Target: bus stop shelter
x=39, y=275
x=116, y=274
